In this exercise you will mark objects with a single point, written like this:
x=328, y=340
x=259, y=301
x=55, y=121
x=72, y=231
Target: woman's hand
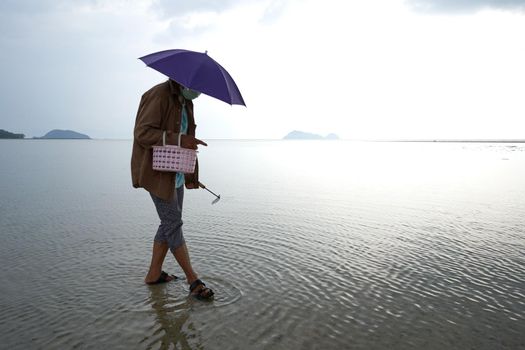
x=188, y=141
x=192, y=186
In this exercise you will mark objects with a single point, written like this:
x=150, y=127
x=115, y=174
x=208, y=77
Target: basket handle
x=164, y=138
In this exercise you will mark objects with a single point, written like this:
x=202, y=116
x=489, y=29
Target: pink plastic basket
x=173, y=158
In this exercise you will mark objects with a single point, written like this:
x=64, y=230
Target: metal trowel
x=218, y=196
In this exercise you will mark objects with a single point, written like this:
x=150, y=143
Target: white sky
x=362, y=69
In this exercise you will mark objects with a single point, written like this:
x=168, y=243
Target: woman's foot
x=163, y=278
x=199, y=290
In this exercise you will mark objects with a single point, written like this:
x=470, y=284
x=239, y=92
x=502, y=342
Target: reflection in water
x=173, y=327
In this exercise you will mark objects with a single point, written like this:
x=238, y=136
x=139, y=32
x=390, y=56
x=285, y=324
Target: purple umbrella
x=197, y=71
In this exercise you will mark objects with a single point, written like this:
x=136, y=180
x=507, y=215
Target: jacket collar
x=174, y=87
x=175, y=90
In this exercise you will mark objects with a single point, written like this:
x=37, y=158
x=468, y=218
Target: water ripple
x=378, y=257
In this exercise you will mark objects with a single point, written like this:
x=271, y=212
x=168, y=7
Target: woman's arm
x=148, y=124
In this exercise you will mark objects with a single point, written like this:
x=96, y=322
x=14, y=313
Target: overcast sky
x=363, y=69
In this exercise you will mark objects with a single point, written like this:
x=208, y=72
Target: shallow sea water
x=314, y=245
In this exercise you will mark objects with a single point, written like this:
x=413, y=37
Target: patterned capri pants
x=170, y=214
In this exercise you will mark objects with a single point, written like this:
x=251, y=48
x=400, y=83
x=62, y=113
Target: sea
x=313, y=245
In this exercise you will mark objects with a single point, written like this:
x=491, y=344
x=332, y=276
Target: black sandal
x=204, y=293
x=163, y=278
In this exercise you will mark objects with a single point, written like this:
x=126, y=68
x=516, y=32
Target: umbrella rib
x=202, y=65
x=195, y=72
x=226, y=81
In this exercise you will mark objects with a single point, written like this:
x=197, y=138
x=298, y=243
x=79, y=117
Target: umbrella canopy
x=197, y=71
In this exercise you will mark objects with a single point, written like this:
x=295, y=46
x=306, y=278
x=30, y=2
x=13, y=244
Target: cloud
x=200, y=16
x=14, y=6
x=74, y=65
x=170, y=8
x=464, y=6
x=387, y=71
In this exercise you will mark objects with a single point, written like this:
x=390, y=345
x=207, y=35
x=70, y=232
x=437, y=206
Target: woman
x=167, y=107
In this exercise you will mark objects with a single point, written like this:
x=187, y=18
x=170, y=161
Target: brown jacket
x=160, y=109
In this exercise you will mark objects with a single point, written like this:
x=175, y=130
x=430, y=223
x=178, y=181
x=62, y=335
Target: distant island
x=63, y=134
x=301, y=135
x=4, y=134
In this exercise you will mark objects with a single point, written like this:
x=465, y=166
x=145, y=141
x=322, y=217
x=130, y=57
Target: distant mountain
x=9, y=135
x=332, y=136
x=63, y=134
x=301, y=135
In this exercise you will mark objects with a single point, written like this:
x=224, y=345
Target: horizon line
x=473, y=140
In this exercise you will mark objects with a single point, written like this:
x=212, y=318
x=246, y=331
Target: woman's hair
x=175, y=84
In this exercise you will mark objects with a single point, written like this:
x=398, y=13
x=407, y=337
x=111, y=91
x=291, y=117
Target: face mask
x=189, y=94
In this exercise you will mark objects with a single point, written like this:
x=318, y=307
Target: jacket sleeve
x=193, y=179
x=148, y=125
